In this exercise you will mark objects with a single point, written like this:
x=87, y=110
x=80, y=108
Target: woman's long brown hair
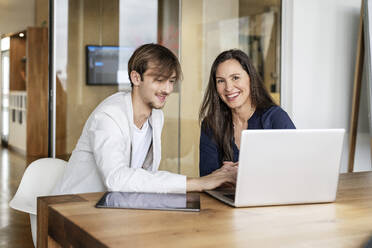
x=216, y=116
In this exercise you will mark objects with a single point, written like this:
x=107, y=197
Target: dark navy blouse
x=210, y=158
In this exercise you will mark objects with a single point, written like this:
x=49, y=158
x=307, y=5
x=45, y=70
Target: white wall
x=16, y=15
x=318, y=59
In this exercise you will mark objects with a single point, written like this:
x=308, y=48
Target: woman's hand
x=226, y=174
x=230, y=163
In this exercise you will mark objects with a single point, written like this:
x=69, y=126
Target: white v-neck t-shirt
x=140, y=144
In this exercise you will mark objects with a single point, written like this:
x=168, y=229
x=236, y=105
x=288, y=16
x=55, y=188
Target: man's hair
x=161, y=57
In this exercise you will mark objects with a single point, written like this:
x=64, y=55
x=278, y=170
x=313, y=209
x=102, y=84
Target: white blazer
x=101, y=159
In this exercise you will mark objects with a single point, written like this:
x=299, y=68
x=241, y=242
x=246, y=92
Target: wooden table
x=72, y=220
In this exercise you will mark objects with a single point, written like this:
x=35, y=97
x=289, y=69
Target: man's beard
x=152, y=105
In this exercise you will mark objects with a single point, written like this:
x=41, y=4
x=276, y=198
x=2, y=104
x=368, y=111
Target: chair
x=39, y=179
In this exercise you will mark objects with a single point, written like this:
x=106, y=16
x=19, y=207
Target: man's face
x=154, y=88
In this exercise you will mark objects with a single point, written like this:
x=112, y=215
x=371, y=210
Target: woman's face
x=233, y=84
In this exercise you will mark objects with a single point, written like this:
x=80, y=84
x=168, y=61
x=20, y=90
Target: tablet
x=153, y=201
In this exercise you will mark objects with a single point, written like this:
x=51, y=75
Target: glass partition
x=195, y=30
x=93, y=42
x=208, y=28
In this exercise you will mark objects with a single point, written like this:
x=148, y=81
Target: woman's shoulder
x=275, y=116
x=273, y=111
x=205, y=130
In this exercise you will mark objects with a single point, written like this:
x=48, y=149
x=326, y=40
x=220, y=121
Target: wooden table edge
x=43, y=211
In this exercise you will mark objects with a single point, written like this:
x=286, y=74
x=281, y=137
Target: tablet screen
x=154, y=201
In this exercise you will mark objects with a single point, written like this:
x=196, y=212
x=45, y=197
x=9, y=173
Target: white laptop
x=279, y=167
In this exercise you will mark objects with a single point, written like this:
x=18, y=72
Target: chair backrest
x=39, y=179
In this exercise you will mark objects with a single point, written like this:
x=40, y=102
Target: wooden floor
x=14, y=225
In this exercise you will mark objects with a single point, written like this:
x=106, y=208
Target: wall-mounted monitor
x=107, y=65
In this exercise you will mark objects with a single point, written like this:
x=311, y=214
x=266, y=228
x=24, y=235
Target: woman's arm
x=226, y=174
x=209, y=154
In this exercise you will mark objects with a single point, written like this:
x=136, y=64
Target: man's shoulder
x=116, y=102
x=117, y=107
x=116, y=99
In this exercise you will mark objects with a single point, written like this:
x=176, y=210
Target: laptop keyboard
x=230, y=196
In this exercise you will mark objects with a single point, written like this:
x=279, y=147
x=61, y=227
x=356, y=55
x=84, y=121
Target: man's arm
x=111, y=149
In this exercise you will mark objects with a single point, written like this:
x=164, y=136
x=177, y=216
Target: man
x=120, y=146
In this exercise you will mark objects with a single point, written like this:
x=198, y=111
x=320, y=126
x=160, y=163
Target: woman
x=235, y=100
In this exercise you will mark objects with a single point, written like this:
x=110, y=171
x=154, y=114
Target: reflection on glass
x=168, y=35
x=137, y=25
x=208, y=28
x=250, y=25
x=113, y=28
x=144, y=200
